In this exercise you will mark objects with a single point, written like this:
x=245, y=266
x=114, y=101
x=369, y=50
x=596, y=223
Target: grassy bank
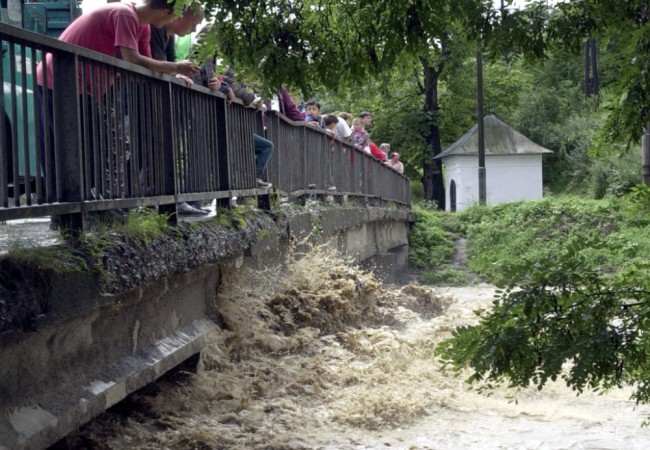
x=503, y=241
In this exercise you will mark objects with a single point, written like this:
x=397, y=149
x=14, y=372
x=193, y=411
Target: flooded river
x=324, y=357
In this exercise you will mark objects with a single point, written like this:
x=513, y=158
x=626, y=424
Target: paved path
x=27, y=233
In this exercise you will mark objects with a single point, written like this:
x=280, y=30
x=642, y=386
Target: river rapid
x=323, y=356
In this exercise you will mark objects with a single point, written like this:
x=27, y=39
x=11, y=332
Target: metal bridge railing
x=307, y=159
x=101, y=134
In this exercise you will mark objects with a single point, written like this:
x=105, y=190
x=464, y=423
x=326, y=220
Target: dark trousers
x=263, y=152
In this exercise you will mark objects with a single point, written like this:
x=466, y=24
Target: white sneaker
x=264, y=184
x=187, y=210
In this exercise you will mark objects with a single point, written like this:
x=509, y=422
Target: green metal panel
x=48, y=17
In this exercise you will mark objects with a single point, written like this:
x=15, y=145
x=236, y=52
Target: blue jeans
x=263, y=151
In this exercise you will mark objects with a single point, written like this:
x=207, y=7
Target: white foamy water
x=324, y=357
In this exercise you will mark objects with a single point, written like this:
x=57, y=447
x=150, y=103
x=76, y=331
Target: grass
x=505, y=239
x=57, y=259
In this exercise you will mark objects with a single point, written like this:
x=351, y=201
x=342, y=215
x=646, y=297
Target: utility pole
x=482, y=185
x=590, y=68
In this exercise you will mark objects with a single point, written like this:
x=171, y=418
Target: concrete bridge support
x=74, y=344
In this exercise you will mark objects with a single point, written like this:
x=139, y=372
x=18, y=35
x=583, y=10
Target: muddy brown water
x=325, y=357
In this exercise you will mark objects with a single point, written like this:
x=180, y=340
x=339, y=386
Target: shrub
x=430, y=244
x=504, y=238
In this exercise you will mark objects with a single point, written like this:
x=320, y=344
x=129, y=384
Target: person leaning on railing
x=119, y=30
x=395, y=163
x=162, y=49
x=337, y=126
x=262, y=147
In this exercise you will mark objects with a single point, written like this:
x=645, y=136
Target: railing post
x=168, y=153
x=222, y=152
x=264, y=200
x=66, y=137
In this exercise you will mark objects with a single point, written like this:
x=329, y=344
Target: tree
x=537, y=30
x=313, y=43
x=569, y=321
x=310, y=43
x=628, y=24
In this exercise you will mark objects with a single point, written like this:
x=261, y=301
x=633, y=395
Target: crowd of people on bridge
x=342, y=126
x=144, y=34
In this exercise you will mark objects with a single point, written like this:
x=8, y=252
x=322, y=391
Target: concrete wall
x=92, y=346
x=508, y=178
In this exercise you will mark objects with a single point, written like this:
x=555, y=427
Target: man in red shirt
x=118, y=30
x=376, y=152
x=122, y=30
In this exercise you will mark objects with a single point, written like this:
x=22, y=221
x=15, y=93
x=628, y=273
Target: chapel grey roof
x=500, y=139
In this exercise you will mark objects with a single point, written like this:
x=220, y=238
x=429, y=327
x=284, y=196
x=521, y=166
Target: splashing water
x=322, y=356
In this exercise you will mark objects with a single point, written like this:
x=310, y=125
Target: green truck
x=45, y=17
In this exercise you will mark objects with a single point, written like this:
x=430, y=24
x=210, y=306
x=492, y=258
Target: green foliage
x=567, y=320
x=144, y=225
x=623, y=26
x=614, y=175
x=640, y=197
x=430, y=245
x=446, y=275
x=57, y=259
x=536, y=231
x=311, y=43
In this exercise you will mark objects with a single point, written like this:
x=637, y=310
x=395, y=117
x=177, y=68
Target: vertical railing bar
x=85, y=114
x=14, y=120
x=149, y=131
x=37, y=129
x=109, y=124
x=4, y=151
x=133, y=147
x=101, y=119
x=204, y=138
x=25, y=120
x=47, y=119
x=93, y=153
x=118, y=125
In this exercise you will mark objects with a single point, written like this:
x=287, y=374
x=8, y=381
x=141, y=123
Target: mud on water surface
x=322, y=356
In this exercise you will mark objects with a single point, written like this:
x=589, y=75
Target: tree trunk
x=432, y=178
x=645, y=154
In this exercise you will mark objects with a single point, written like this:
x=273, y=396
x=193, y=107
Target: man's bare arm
x=186, y=68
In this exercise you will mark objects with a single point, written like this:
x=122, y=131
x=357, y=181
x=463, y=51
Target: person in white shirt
x=395, y=163
x=338, y=126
